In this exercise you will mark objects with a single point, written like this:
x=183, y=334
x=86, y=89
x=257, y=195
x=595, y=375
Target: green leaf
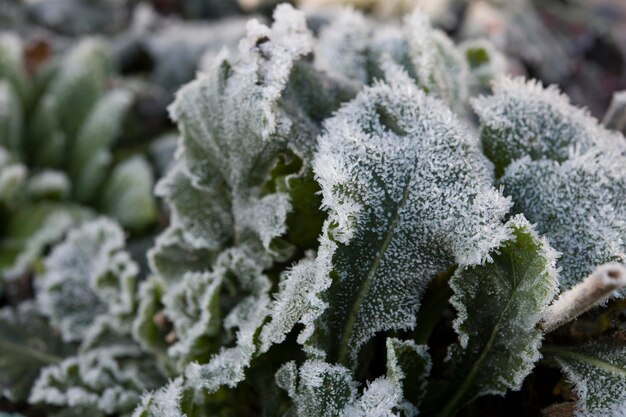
x=27, y=343
x=127, y=195
x=499, y=305
x=88, y=275
x=409, y=194
x=32, y=229
x=578, y=204
x=524, y=119
x=90, y=155
x=11, y=120
x=78, y=83
x=408, y=366
x=12, y=68
x=598, y=373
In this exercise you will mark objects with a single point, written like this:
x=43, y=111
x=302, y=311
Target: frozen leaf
x=108, y=380
x=598, y=373
x=499, y=344
x=524, y=119
x=127, y=194
x=12, y=68
x=409, y=194
x=27, y=343
x=32, y=229
x=79, y=83
x=408, y=366
x=578, y=204
x=87, y=275
x=357, y=50
x=90, y=156
x=317, y=388
x=485, y=63
x=166, y=402
x=193, y=307
x=321, y=389
x=227, y=367
x=48, y=184
x=201, y=225
x=11, y=119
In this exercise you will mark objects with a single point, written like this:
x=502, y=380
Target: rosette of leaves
x=409, y=196
x=360, y=49
x=71, y=348
x=58, y=127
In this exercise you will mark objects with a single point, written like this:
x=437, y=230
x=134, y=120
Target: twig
x=596, y=288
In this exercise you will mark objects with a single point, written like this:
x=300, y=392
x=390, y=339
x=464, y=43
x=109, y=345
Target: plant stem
x=593, y=290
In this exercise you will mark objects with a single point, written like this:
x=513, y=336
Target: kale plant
x=336, y=202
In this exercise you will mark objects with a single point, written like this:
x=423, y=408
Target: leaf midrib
x=27, y=351
x=597, y=362
x=369, y=278
x=452, y=405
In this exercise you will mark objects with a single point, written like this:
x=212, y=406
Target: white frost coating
x=228, y=366
x=578, y=204
x=48, y=183
x=439, y=66
x=409, y=193
x=598, y=373
x=524, y=118
x=201, y=214
x=321, y=389
x=95, y=379
x=498, y=346
x=162, y=403
x=342, y=48
x=232, y=128
x=379, y=399
x=86, y=275
x=191, y=306
x=351, y=47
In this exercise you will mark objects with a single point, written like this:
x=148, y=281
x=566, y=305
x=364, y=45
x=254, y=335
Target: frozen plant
x=332, y=212
x=58, y=126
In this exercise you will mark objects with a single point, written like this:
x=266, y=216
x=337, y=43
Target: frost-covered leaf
x=193, y=307
x=90, y=156
x=409, y=194
x=485, y=62
x=358, y=50
x=321, y=389
x=127, y=194
x=87, y=275
x=32, y=229
x=108, y=380
x=12, y=68
x=78, y=83
x=227, y=367
x=408, y=366
x=48, y=185
x=317, y=388
x=27, y=343
x=166, y=402
x=598, y=373
x=578, y=204
x=524, y=119
x=499, y=305
x=11, y=119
